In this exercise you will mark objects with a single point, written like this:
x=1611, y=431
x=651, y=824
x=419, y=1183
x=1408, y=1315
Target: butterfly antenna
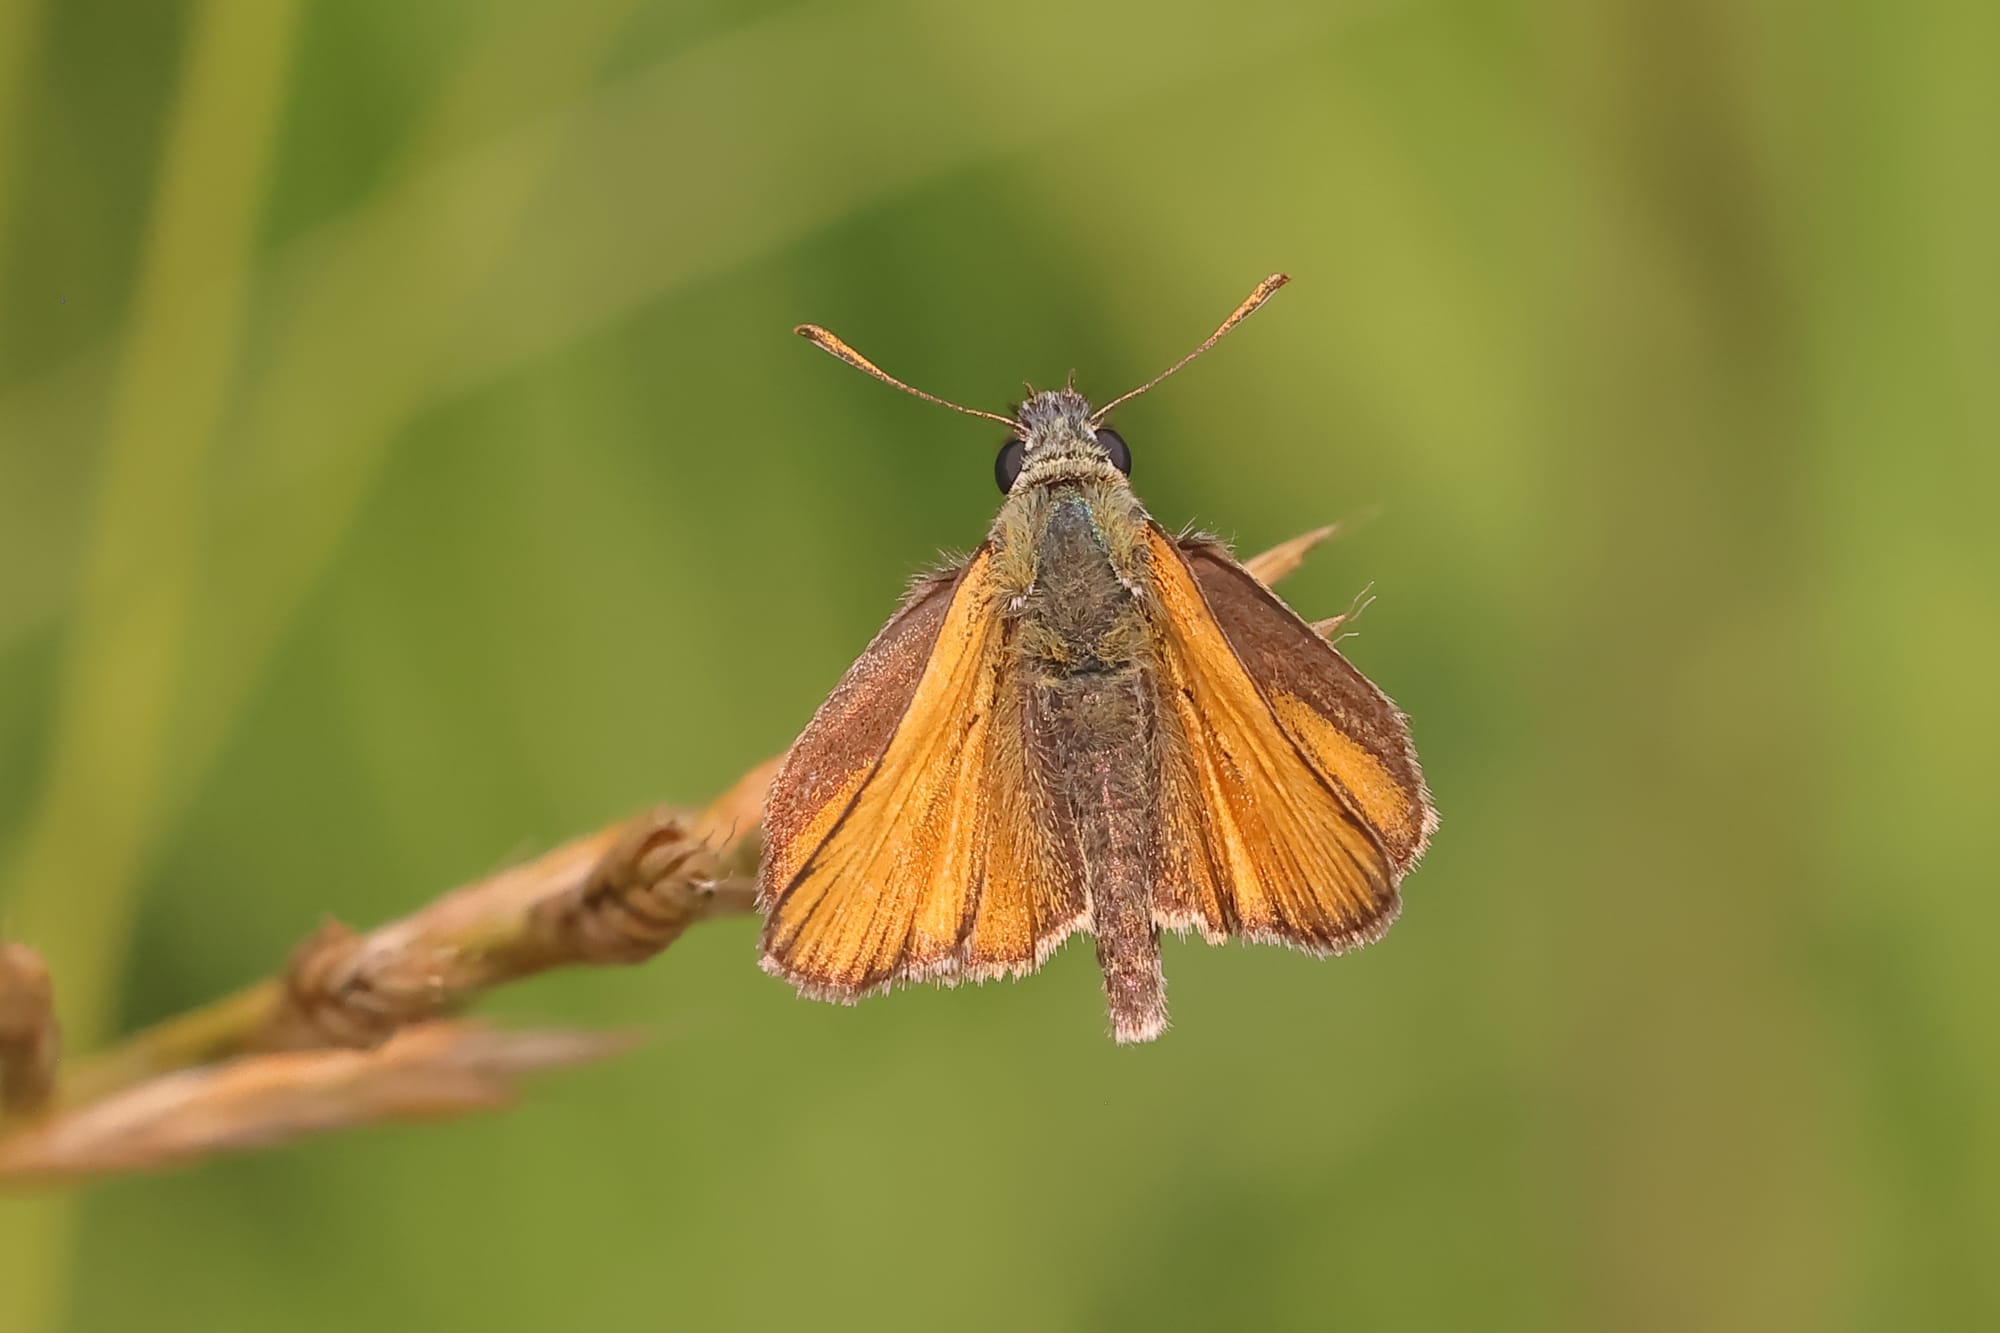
x=1265, y=290
x=829, y=342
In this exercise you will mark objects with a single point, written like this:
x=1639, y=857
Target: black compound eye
x=1008, y=465
x=1113, y=444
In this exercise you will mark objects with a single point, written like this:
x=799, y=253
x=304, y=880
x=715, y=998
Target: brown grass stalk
x=427, y=1072
x=349, y=1032
x=616, y=896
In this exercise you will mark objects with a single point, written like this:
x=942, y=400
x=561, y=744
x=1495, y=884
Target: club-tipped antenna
x=829, y=342
x=1265, y=290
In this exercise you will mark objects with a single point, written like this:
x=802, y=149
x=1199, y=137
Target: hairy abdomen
x=1092, y=734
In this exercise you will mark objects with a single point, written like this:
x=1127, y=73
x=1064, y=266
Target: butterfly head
x=1056, y=438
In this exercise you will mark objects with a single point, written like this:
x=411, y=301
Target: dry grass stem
x=344, y=1035
x=426, y=1072
x=1270, y=566
x=616, y=896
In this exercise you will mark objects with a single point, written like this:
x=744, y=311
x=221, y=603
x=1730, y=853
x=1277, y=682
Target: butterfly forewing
x=834, y=755
x=915, y=859
x=1348, y=728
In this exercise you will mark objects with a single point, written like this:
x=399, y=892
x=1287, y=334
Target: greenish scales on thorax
x=1071, y=561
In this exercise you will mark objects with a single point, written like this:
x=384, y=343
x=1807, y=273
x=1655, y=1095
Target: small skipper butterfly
x=1089, y=725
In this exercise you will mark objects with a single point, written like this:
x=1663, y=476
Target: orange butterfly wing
x=899, y=834
x=1291, y=802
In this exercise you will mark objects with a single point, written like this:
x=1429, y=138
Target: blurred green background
x=405, y=463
